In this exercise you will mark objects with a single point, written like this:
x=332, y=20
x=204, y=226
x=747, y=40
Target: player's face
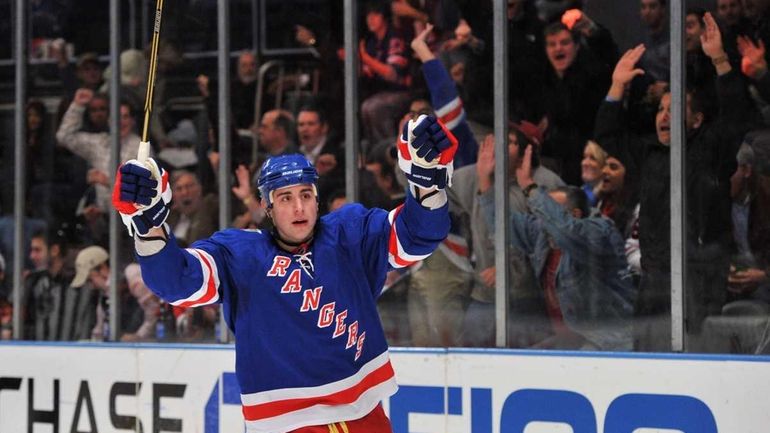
x=294, y=212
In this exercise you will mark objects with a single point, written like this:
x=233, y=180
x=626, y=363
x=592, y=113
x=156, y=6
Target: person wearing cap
x=527, y=316
x=91, y=264
x=81, y=301
x=88, y=72
x=301, y=298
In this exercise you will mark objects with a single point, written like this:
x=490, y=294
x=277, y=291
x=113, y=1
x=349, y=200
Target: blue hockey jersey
x=310, y=349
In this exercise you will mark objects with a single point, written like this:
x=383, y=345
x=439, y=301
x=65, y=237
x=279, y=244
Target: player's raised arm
x=425, y=153
x=185, y=277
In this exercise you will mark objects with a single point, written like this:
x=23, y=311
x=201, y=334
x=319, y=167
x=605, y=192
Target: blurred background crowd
x=590, y=122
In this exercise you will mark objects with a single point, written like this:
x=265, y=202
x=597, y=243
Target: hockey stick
x=144, y=144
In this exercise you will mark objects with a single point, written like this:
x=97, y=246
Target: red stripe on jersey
x=211, y=289
x=452, y=115
x=458, y=249
x=346, y=396
x=393, y=242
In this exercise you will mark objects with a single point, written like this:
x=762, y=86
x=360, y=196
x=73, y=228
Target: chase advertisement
x=150, y=388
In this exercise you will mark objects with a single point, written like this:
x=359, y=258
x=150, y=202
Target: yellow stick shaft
x=152, y=70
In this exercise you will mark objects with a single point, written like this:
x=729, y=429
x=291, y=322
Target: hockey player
x=311, y=354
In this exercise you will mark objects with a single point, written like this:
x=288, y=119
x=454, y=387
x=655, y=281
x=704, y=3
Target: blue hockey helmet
x=285, y=170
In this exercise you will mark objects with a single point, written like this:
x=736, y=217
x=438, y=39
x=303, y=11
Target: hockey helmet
x=285, y=170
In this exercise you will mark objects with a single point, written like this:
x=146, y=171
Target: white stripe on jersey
x=209, y=290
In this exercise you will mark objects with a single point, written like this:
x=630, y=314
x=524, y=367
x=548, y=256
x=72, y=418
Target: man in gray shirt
x=527, y=320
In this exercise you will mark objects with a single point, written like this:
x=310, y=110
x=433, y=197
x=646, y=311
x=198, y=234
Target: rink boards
x=175, y=388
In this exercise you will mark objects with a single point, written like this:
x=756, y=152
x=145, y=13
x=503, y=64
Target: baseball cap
x=529, y=129
x=88, y=259
x=87, y=58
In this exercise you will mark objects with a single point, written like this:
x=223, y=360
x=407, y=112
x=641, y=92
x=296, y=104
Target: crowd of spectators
x=589, y=191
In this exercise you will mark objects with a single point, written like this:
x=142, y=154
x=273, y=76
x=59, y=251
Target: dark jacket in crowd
x=710, y=161
x=759, y=223
x=571, y=104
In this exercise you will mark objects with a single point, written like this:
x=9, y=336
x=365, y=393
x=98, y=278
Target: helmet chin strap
x=292, y=247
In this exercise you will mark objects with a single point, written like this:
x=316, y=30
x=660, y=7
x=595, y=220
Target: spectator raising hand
x=625, y=71
x=243, y=189
x=83, y=96
x=420, y=46
x=304, y=36
x=753, y=63
x=577, y=21
x=711, y=42
x=254, y=213
x=524, y=171
x=485, y=165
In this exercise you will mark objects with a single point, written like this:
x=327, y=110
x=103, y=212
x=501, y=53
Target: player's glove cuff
x=428, y=178
x=150, y=245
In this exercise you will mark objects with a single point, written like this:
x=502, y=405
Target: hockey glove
x=141, y=194
x=426, y=150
